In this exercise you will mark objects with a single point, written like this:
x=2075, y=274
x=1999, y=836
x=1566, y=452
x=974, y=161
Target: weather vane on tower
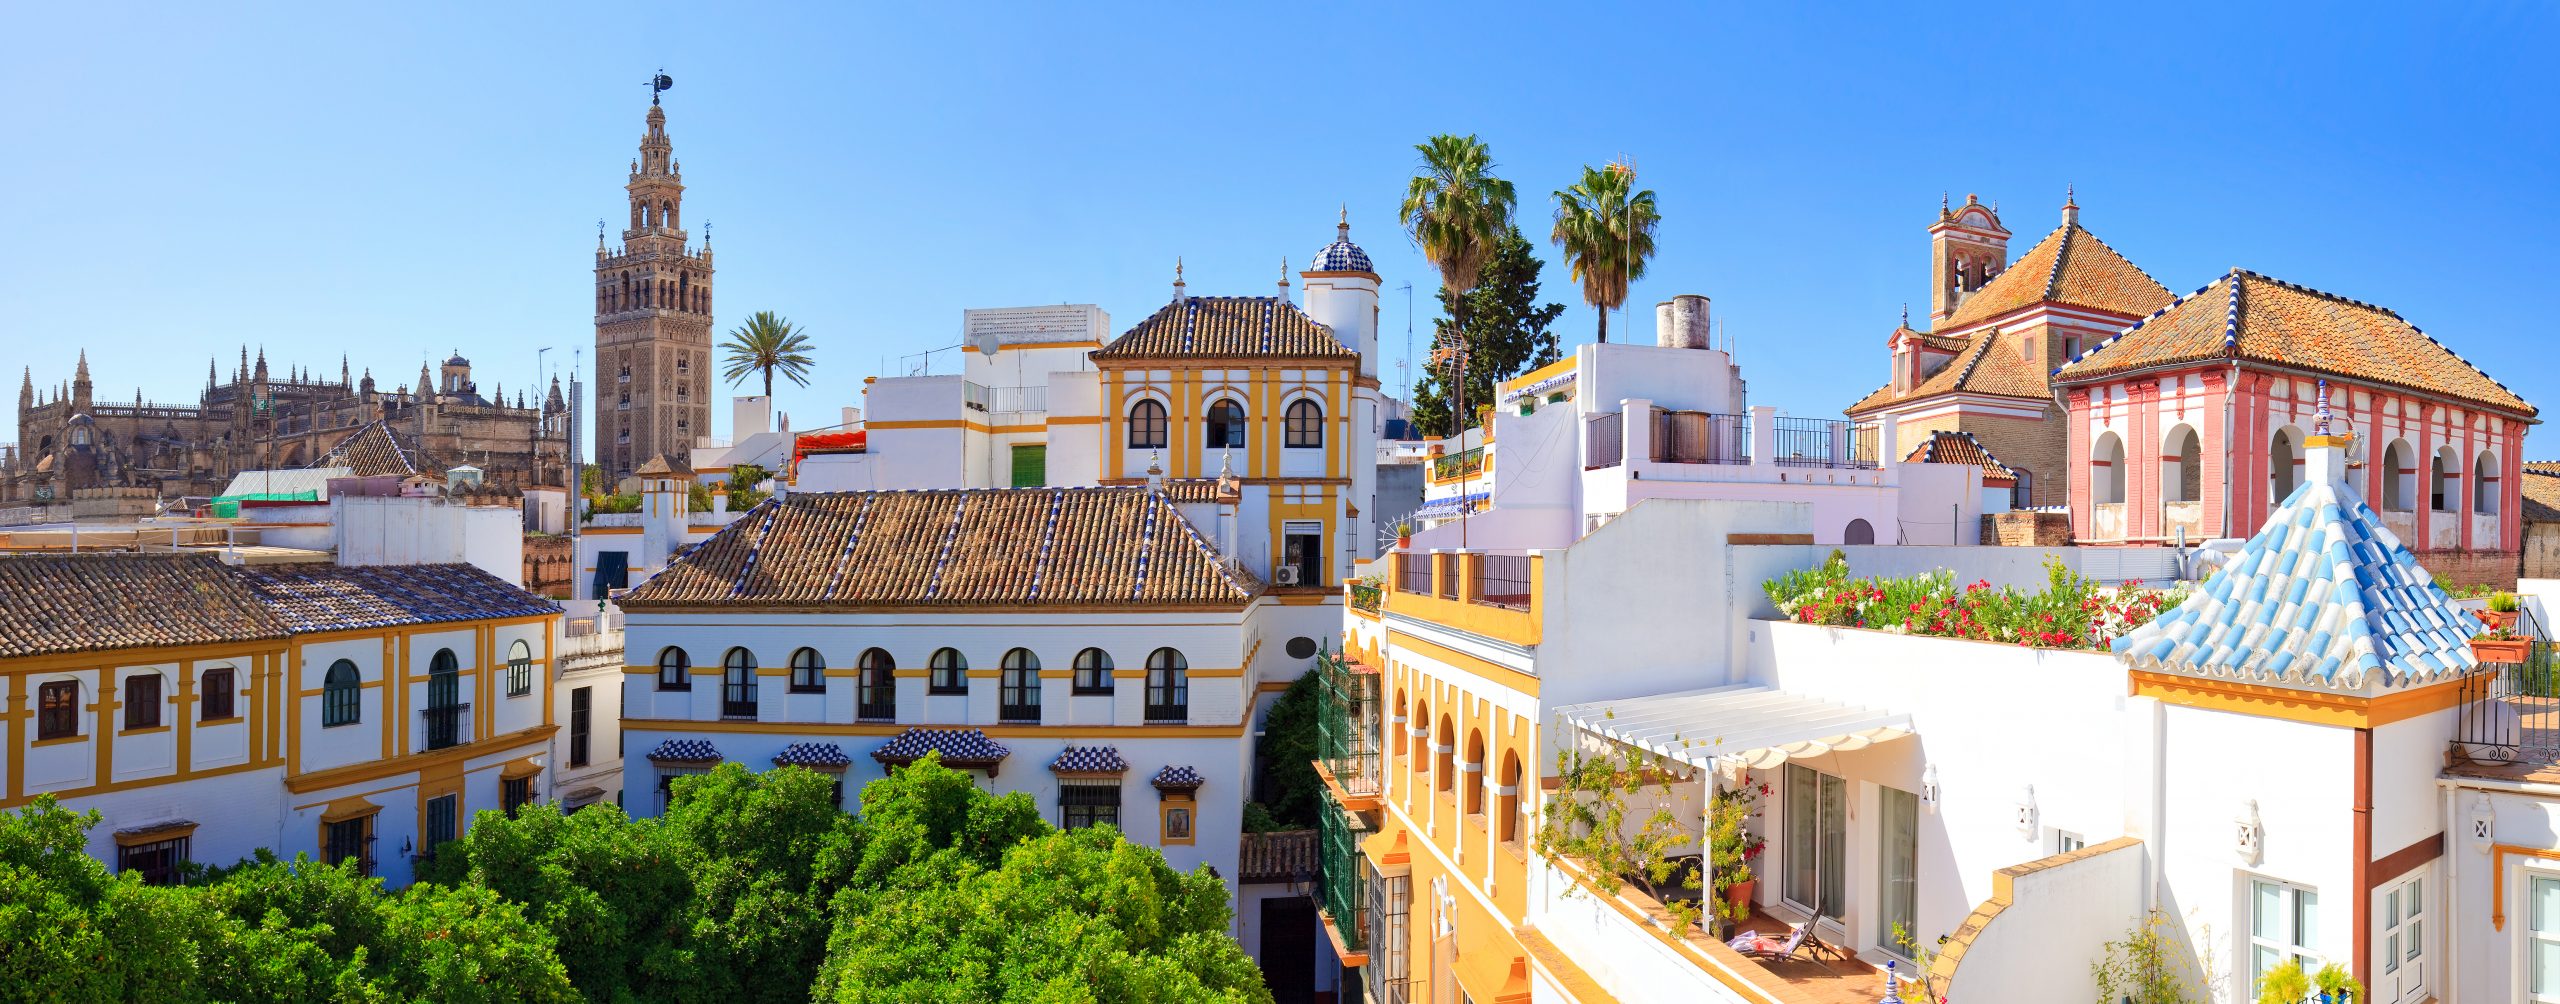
x=659, y=83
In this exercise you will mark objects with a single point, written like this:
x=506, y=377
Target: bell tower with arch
x=653, y=316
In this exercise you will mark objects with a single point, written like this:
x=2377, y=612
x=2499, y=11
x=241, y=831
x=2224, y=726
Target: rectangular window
x=58, y=710
x=1390, y=900
x=2543, y=975
x=514, y=793
x=142, y=701
x=1302, y=551
x=581, y=724
x=1817, y=840
x=1898, y=865
x=219, y=690
x=2284, y=923
x=613, y=571
x=1031, y=465
x=350, y=840
x=157, y=862
x=2065, y=842
x=1085, y=803
x=441, y=811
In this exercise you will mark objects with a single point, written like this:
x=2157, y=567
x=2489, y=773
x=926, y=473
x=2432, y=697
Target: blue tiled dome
x=1341, y=256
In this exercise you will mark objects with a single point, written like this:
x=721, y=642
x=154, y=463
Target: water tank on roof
x=1681, y=322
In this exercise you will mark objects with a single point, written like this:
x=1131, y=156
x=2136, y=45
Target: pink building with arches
x=2191, y=425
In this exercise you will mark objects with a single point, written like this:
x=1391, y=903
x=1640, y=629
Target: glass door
x=2402, y=911
x=2542, y=893
x=1817, y=841
x=1898, y=871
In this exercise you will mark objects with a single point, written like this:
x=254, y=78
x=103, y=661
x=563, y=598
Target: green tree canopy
x=1506, y=333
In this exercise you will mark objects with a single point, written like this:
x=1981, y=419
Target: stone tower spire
x=80, y=384
x=653, y=317
x=27, y=388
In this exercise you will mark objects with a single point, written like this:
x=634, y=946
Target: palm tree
x=766, y=343
x=1606, y=234
x=1457, y=211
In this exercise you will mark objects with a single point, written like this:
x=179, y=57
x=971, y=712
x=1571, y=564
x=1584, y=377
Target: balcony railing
x=1413, y=573
x=1502, y=580
x=1819, y=442
x=1021, y=399
x=1365, y=596
x=1458, y=465
x=1604, y=441
x=1699, y=437
x=1448, y=577
x=444, y=725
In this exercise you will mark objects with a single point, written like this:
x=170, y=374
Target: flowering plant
x=2071, y=612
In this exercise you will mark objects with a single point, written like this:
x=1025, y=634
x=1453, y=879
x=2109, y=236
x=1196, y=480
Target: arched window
x=1473, y=790
x=1146, y=425
x=675, y=669
x=2445, y=486
x=1168, y=686
x=220, y=690
x=1093, y=672
x=2484, y=484
x=444, y=700
x=2181, y=466
x=876, y=698
x=1417, y=737
x=738, y=684
x=2106, y=470
x=1018, y=687
x=2400, y=477
x=1304, y=422
x=341, y=695
x=1506, y=799
x=950, y=672
x=2284, y=465
x=1444, y=755
x=1858, y=531
x=519, y=669
x=808, y=672
x=1225, y=428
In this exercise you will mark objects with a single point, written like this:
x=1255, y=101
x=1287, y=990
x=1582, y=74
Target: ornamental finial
x=2320, y=417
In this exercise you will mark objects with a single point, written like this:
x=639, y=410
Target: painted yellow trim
x=2498, y=855
x=2346, y=711
x=421, y=763
x=1519, y=627
x=59, y=741
x=351, y=807
x=1952, y=952
x=255, y=763
x=887, y=729
x=156, y=835
x=143, y=731
x=1494, y=671
x=160, y=655
x=1556, y=368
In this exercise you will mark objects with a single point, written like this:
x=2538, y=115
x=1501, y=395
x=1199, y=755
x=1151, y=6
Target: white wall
x=2042, y=947
x=402, y=530
x=2305, y=811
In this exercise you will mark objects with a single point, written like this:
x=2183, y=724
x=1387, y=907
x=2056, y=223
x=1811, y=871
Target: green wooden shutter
x=1031, y=466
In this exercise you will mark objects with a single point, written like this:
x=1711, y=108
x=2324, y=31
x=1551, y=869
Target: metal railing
x=1021, y=399
x=1699, y=437
x=444, y=725
x=2508, y=713
x=1502, y=580
x=1413, y=573
x=1822, y=442
x=1346, y=724
x=1448, y=577
x=1457, y=465
x=1365, y=597
x=1604, y=440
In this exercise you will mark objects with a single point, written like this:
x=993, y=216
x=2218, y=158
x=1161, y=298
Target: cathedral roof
x=1001, y=547
x=2069, y=266
x=2244, y=315
x=1227, y=326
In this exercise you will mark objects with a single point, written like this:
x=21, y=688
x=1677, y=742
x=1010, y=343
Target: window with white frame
x=2542, y=953
x=2401, y=943
x=1817, y=841
x=2284, y=924
x=2065, y=841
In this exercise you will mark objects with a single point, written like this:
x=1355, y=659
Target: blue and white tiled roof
x=959, y=747
x=1341, y=255
x=685, y=751
x=1177, y=778
x=2323, y=596
x=815, y=756
x=1447, y=506
x=1089, y=760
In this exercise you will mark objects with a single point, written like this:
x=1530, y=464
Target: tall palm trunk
x=1604, y=325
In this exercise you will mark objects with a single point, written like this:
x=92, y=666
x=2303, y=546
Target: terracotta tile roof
x=2541, y=491
x=324, y=597
x=2069, y=266
x=2250, y=316
x=1279, y=856
x=52, y=604
x=1962, y=448
x=666, y=464
x=1993, y=362
x=374, y=450
x=1014, y=547
x=1262, y=326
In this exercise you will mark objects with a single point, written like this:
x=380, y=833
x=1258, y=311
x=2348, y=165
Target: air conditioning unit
x=1286, y=575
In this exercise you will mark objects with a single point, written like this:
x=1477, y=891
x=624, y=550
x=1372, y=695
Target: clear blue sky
x=393, y=182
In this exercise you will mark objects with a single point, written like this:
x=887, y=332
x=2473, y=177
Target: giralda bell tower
x=653, y=317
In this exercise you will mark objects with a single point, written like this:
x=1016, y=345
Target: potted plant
x=2501, y=612
x=2500, y=644
x=2336, y=986
x=2285, y=984
x=1404, y=534
x=1732, y=847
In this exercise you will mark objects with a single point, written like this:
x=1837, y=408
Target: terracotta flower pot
x=2501, y=649
x=1738, y=895
x=2496, y=618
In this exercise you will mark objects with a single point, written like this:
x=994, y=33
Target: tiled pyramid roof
x=1944, y=447
x=1993, y=362
x=1227, y=326
x=1177, y=778
x=2250, y=316
x=310, y=596
x=2069, y=266
x=1089, y=760
x=1051, y=547
x=961, y=749
x=2323, y=596
x=374, y=450
x=685, y=751
x=59, y=603
x=815, y=756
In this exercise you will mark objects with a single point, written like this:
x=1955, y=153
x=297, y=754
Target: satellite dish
x=987, y=344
